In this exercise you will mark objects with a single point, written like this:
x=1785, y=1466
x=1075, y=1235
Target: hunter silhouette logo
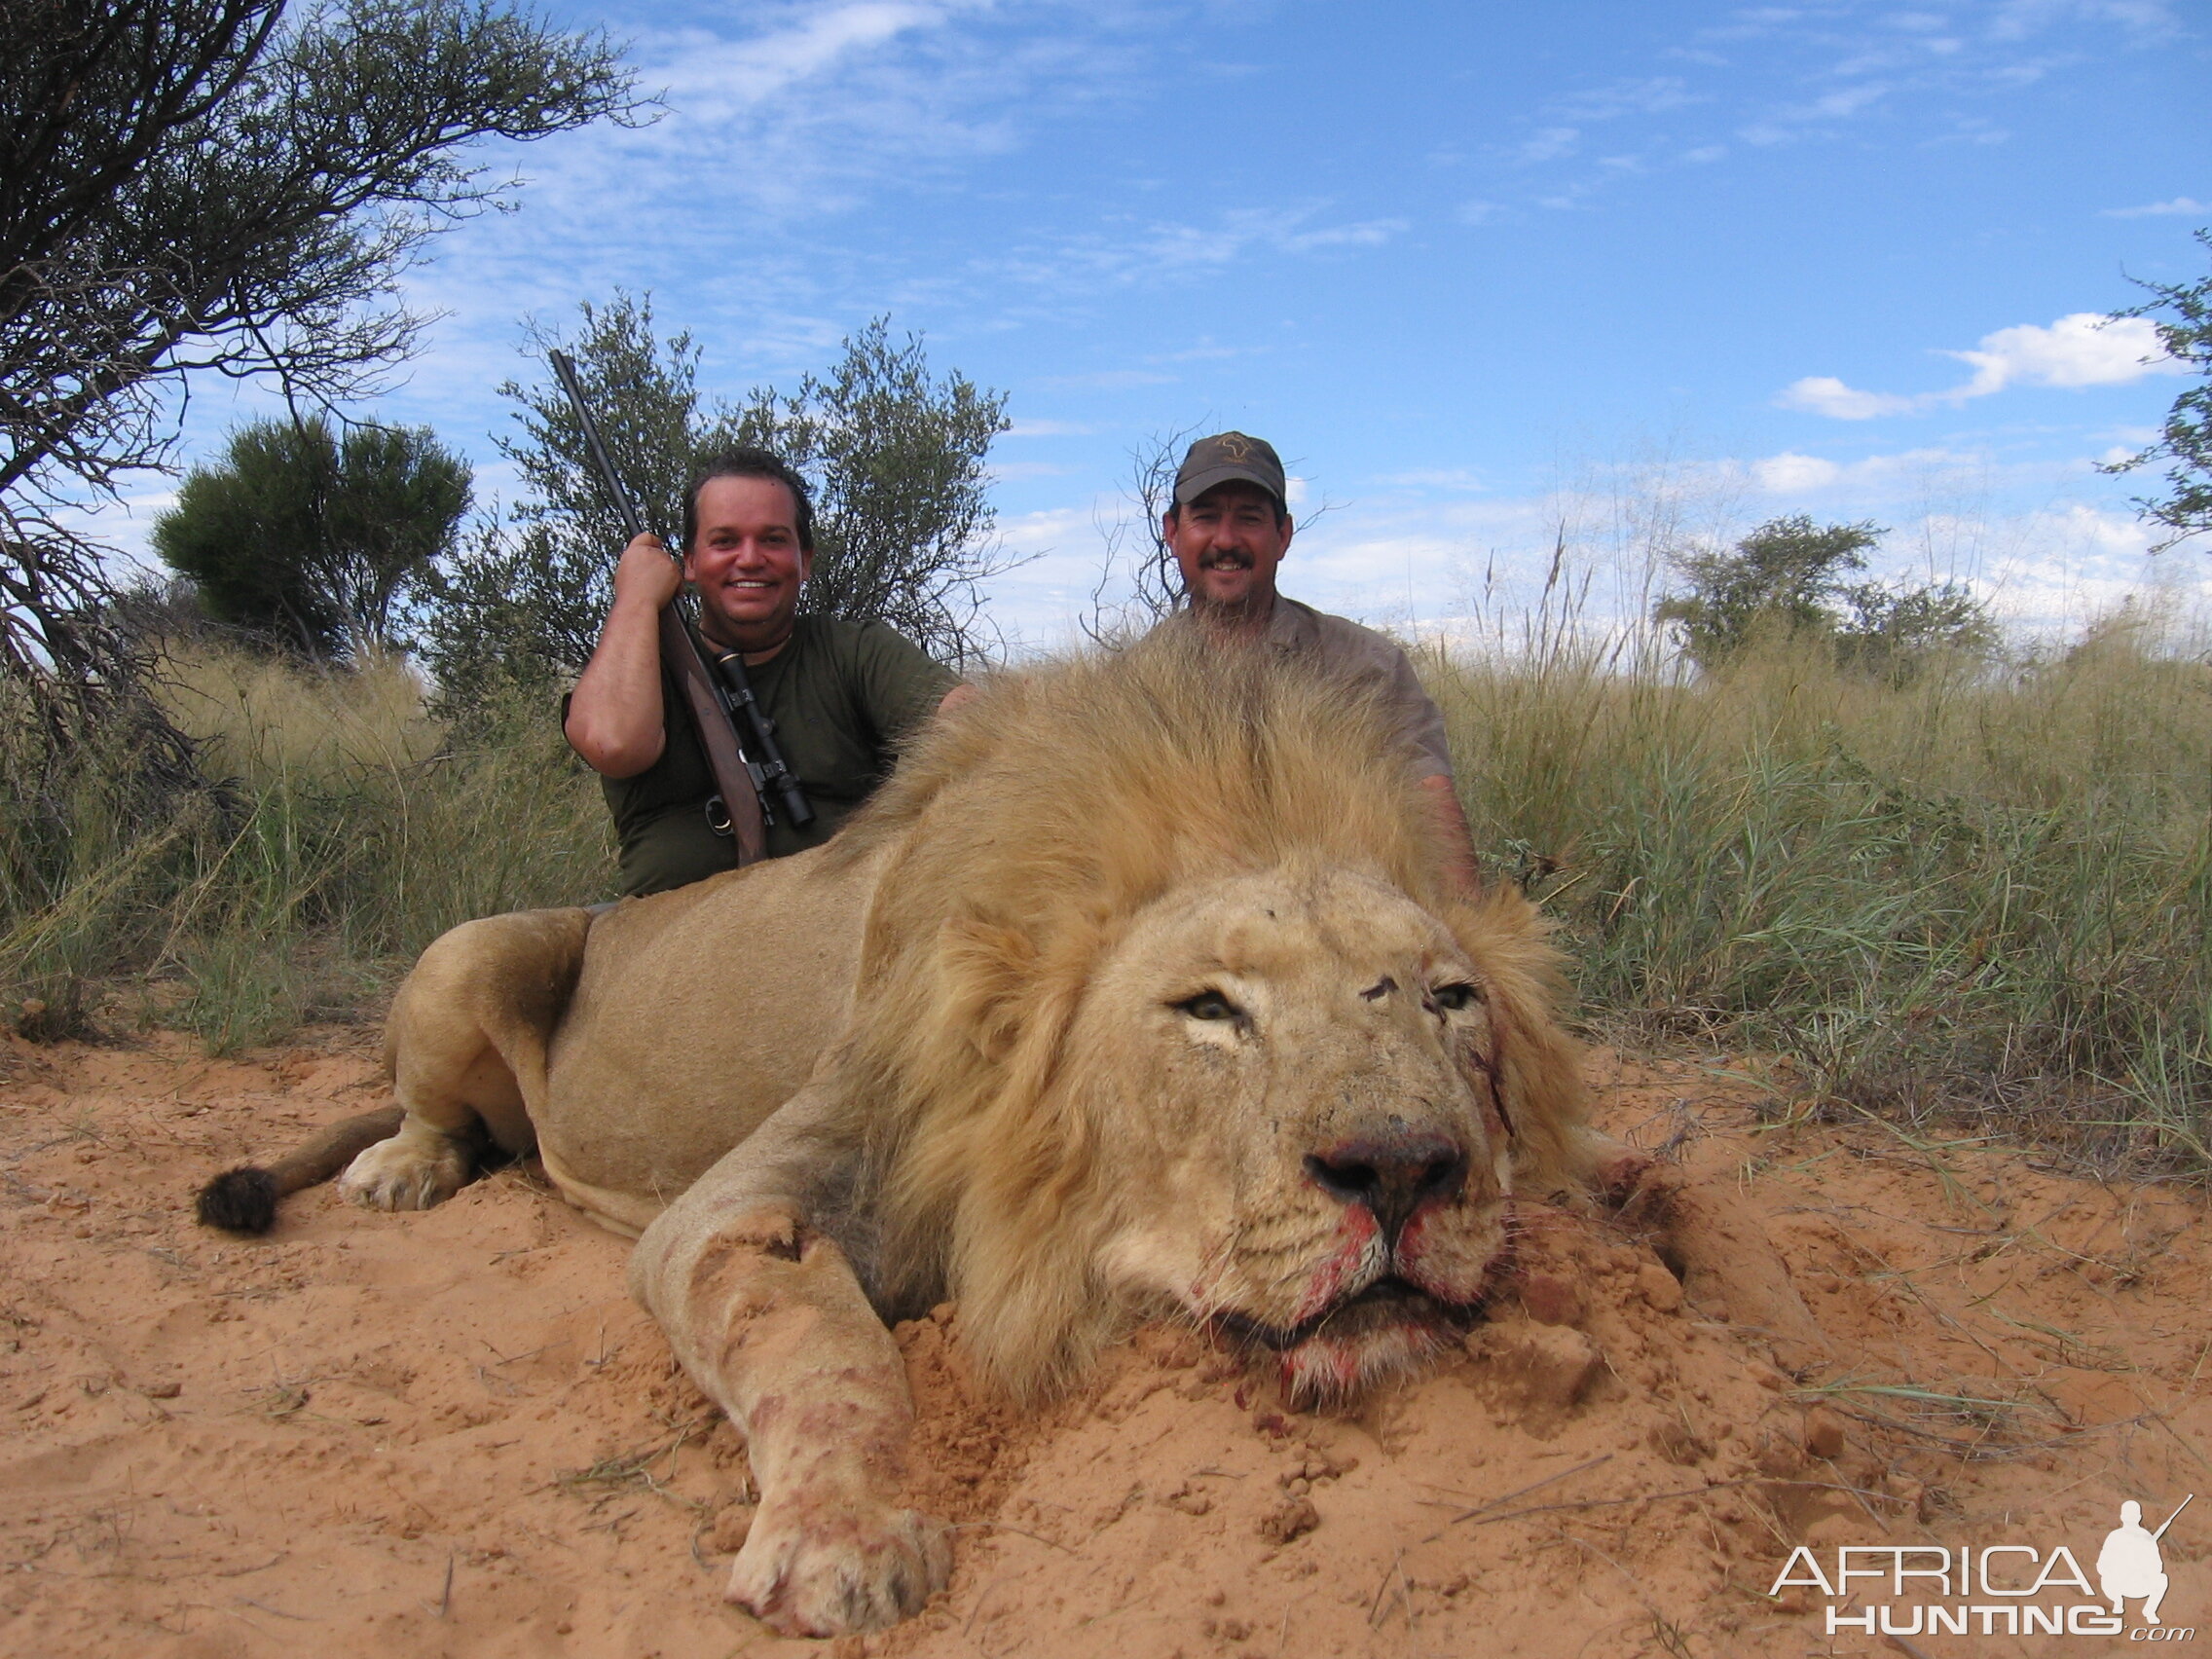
x=2129, y=1564
x=1995, y=1589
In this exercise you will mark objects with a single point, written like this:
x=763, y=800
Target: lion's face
x=1320, y=1162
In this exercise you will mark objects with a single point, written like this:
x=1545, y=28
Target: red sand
x=453, y=1434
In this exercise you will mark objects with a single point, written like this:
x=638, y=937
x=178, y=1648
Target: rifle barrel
x=566, y=368
x=2175, y=1516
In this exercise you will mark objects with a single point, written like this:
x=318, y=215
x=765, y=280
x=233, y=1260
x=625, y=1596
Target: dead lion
x=1136, y=992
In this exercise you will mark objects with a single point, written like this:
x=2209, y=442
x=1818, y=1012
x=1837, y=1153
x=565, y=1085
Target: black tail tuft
x=241, y=1200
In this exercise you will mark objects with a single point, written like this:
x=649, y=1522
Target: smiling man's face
x=1228, y=543
x=746, y=562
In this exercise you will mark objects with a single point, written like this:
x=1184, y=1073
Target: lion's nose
x=1393, y=1174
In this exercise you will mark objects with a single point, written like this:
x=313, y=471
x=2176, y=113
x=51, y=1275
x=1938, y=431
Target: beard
x=1242, y=613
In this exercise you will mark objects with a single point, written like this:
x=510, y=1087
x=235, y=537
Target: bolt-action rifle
x=735, y=732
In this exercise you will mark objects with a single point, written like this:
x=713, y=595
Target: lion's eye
x=1455, y=997
x=1210, y=1004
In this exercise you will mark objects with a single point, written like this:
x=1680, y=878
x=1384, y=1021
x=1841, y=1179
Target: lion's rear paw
x=828, y=1572
x=416, y=1169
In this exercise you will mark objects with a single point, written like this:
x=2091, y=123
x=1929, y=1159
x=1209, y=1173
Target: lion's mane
x=1024, y=833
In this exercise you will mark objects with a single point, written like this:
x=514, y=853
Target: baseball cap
x=1228, y=456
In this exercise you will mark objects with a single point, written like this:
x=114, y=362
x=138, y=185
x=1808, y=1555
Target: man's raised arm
x=615, y=721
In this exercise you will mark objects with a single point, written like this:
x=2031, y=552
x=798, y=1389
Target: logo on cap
x=1226, y=456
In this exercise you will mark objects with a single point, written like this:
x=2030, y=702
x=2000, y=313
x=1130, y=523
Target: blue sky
x=1480, y=270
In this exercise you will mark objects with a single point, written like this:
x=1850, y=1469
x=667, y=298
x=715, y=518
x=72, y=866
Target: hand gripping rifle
x=746, y=770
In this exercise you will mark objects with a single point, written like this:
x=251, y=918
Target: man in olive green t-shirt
x=842, y=694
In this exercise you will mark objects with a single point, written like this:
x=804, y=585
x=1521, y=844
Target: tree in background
x=208, y=184
x=520, y=605
x=1893, y=630
x=1790, y=577
x=2185, y=438
x=895, y=460
x=1138, y=581
x=311, y=540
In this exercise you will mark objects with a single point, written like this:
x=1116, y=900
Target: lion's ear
x=989, y=968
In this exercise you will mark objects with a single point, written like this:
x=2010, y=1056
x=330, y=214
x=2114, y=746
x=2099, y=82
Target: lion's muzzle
x=1393, y=1174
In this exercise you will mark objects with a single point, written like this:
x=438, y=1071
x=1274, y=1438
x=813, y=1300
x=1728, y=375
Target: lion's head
x=1163, y=1006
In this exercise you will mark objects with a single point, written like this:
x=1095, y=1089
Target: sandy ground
x=452, y=1433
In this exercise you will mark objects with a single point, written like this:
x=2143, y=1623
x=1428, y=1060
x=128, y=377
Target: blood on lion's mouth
x=1386, y=1303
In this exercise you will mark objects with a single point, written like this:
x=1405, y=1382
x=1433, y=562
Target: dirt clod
x=731, y=1527
x=1552, y=1365
x=1551, y=1299
x=1292, y=1518
x=1659, y=1287
x=1823, y=1433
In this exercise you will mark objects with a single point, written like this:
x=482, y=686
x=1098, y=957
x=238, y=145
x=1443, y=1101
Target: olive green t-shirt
x=842, y=694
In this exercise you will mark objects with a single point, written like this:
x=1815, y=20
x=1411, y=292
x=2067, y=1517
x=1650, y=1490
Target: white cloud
x=1204, y=352
x=1111, y=380
x=2145, y=20
x=1368, y=233
x=1048, y=430
x=1847, y=101
x=1016, y=472
x=1874, y=476
x=124, y=527
x=1789, y=473
x=715, y=80
x=1825, y=395
x=2100, y=530
x=2180, y=204
x=1170, y=249
x=2052, y=572
x=2084, y=349
x=1548, y=144
x=1453, y=478
x=1648, y=97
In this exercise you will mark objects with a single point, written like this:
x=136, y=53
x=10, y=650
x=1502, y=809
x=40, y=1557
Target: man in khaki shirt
x=1229, y=527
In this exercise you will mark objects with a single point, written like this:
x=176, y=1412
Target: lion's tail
x=245, y=1200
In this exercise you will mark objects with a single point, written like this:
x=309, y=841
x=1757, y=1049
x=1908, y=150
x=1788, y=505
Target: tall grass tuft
x=1977, y=889
x=351, y=829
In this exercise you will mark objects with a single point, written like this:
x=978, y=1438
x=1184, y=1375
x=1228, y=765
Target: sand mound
x=453, y=1433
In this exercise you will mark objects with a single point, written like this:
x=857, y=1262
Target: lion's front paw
x=810, y=1568
x=415, y=1169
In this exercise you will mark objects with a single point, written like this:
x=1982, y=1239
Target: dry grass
x=353, y=830
x=1984, y=888
x=1983, y=891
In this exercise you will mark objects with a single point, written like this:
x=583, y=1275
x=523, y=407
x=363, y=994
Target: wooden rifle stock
x=679, y=650
x=733, y=779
